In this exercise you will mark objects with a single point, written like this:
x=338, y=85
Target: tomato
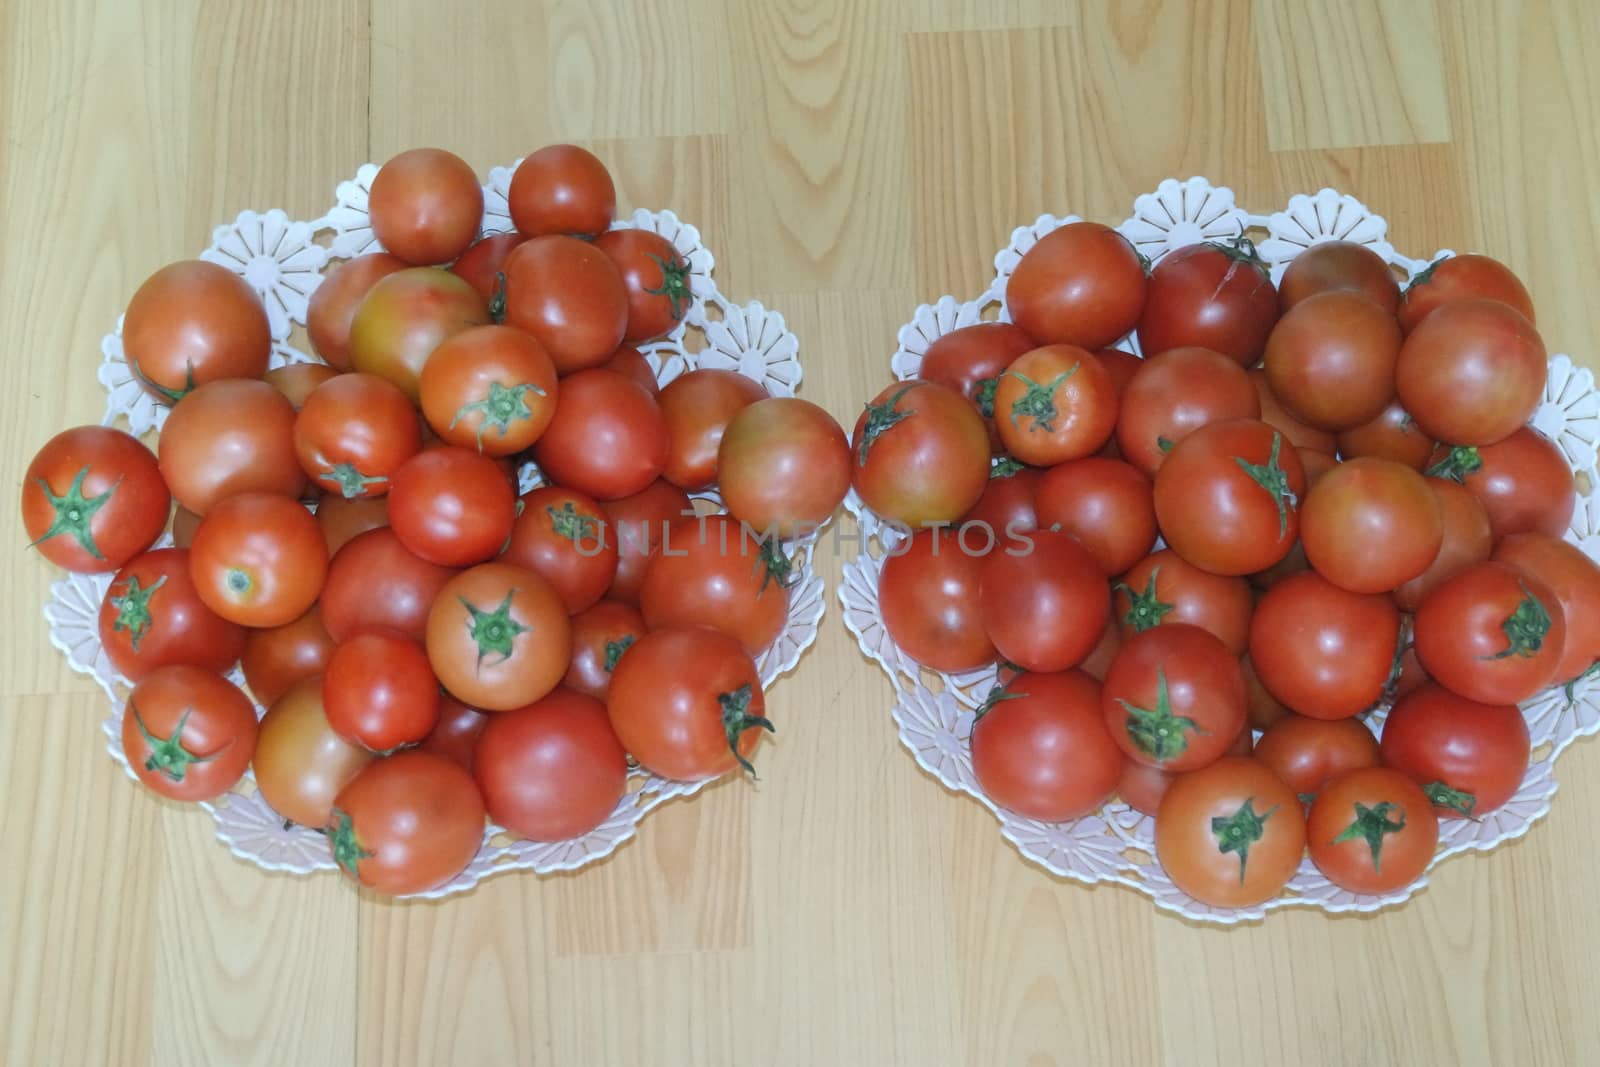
x=353, y=433
x=1466, y=540
x=1575, y=580
x=1323, y=651
x=1174, y=697
x=561, y=536
x=656, y=278
x=451, y=506
x=92, y=499
x=1368, y=502
x=600, y=636
x=697, y=408
x=1306, y=753
x=481, y=265
x=1462, y=278
x=188, y=733
x=1228, y=497
x=331, y=311
x=1217, y=296
x=713, y=572
x=1261, y=707
x=404, y=317
x=297, y=381
x=1294, y=431
x=1230, y=834
x=259, y=560
x=1006, y=508
x=1329, y=265
x=562, y=188
x=455, y=736
x=228, y=437
x=491, y=388
x=1522, y=481
x=1175, y=393
x=1472, y=373
x=1104, y=504
x=1331, y=359
x=1040, y=747
x=300, y=764
x=1163, y=589
x=498, y=636
x=639, y=523
x=1141, y=786
x=921, y=454
x=570, y=296
x=375, y=581
x=152, y=616
x=407, y=823
x=1469, y=758
x=687, y=703
x=608, y=438
x=1081, y=284
x=1492, y=633
x=379, y=691
x=1045, y=609
x=928, y=596
x=971, y=359
x=1054, y=404
x=1372, y=830
x=553, y=770
x=343, y=520
x=631, y=364
x=191, y=323
x=1393, y=435
x=783, y=466
x=276, y=658
x=425, y=205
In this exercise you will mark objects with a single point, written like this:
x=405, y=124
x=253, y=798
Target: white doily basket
x=285, y=260
x=934, y=712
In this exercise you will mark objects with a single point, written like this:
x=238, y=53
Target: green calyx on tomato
x=1423, y=276
x=1005, y=467
x=497, y=302
x=1271, y=477
x=1372, y=825
x=1397, y=666
x=1145, y=609
x=168, y=757
x=615, y=649
x=1457, y=800
x=1525, y=628
x=1570, y=689
x=74, y=512
x=347, y=850
x=1166, y=444
x=1159, y=733
x=133, y=608
x=736, y=719
x=983, y=395
x=171, y=396
x=1237, y=832
x=1241, y=249
x=775, y=566
x=568, y=523
x=493, y=631
x=674, y=284
x=1038, y=402
x=1456, y=464
x=350, y=482
x=996, y=695
x=881, y=417
x=503, y=406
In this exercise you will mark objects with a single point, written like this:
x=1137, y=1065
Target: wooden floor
x=846, y=161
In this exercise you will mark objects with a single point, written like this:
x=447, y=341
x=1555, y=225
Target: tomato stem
x=347, y=850
x=1271, y=477
x=615, y=649
x=1237, y=832
x=1457, y=464
x=736, y=719
x=775, y=566
x=170, y=396
x=569, y=523
x=1157, y=732
x=1422, y=276
x=74, y=513
x=880, y=417
x=133, y=608
x=1372, y=825
x=1457, y=800
x=1145, y=609
x=983, y=395
x=168, y=757
x=493, y=631
x=1038, y=401
x=497, y=300
x=1525, y=628
x=350, y=482
x=1005, y=467
x=998, y=695
x=502, y=406
x=674, y=284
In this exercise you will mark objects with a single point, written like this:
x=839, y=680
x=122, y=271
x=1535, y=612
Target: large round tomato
x=1174, y=697
x=278, y=657
x=482, y=265
x=1462, y=278
x=1105, y=504
x=1228, y=497
x=1217, y=296
x=1392, y=435
x=1492, y=633
x=259, y=559
x=1230, y=834
x=783, y=466
x=376, y=581
x=1163, y=589
x=1468, y=757
x=1175, y=393
x=152, y=616
x=921, y=454
x=1331, y=360
x=656, y=278
x=1522, y=481
x=1307, y=752
x=1046, y=608
x=455, y=736
x=297, y=381
x=379, y=691
x=194, y=322
x=562, y=188
x=425, y=205
x=1040, y=747
x=451, y=506
x=1466, y=540
x=697, y=408
x=491, y=388
x=300, y=763
x=928, y=594
x=1082, y=284
x=332, y=308
x=353, y=433
x=1472, y=372
x=498, y=636
x=407, y=823
x=1371, y=830
x=639, y=523
x=188, y=733
x=971, y=359
x=1294, y=431
x=687, y=703
x=1054, y=404
x=1323, y=651
x=608, y=438
x=1329, y=265
x=552, y=770
x=713, y=572
x=570, y=296
x=404, y=317
x=227, y=437
x=1006, y=508
x=561, y=536
x=1363, y=503
x=599, y=638
x=1575, y=580
x=93, y=498
x=344, y=520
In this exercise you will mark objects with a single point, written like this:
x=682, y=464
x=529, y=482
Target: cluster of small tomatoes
x=430, y=647
x=1354, y=512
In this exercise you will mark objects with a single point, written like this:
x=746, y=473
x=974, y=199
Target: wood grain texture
x=846, y=161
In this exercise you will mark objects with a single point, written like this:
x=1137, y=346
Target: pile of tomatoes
x=1353, y=514
x=432, y=649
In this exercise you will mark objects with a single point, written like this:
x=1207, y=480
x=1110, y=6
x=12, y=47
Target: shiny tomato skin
x=1462, y=278
x=259, y=559
x=1393, y=435
x=278, y=657
x=600, y=636
x=608, y=438
x=1105, y=504
x=1331, y=360
x=1007, y=507
x=697, y=408
x=451, y=506
x=152, y=616
x=570, y=296
x=331, y=311
x=1472, y=372
x=481, y=265
x=425, y=206
x=561, y=536
x=93, y=498
x=300, y=763
x=713, y=572
x=1323, y=651
x=1575, y=580
x=455, y=736
x=562, y=189
x=1294, y=431
x=638, y=523
x=920, y=454
x=1080, y=284
x=188, y=733
x=971, y=359
x=1522, y=481
x=498, y=637
x=1216, y=296
x=1041, y=748
x=1367, y=502
x=228, y=437
x=1467, y=539
x=783, y=466
x=1054, y=404
x=194, y=322
x=353, y=433
x=1175, y=393
x=344, y=520
x=379, y=691
x=1329, y=265
x=656, y=277
x=1469, y=758
x=928, y=595
x=1231, y=834
x=1045, y=610
x=1492, y=633
x=1307, y=752
x=404, y=317
x=631, y=364
x=376, y=581
x=1141, y=786
x=1384, y=805
x=490, y=388
x=1174, y=697
x=1162, y=589
x=406, y=823
x=297, y=381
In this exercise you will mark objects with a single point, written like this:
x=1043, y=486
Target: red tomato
x=331, y=311
x=1466, y=540
x=188, y=733
x=1054, y=404
x=259, y=560
x=300, y=764
x=630, y=363
x=228, y=437
x=656, y=278
x=1175, y=393
x=1329, y=265
x=1294, y=431
x=379, y=691
x=1081, y=284
x=1522, y=481
x=498, y=636
x=1393, y=435
x=1174, y=697
x=297, y=381
x=1472, y=373
x=928, y=595
x=1575, y=580
x=407, y=823
x=375, y=581
x=1162, y=589
x=570, y=296
x=600, y=636
x=1331, y=360
x=1492, y=633
x=561, y=536
x=404, y=317
x=93, y=498
x=921, y=454
x=1230, y=834
x=553, y=770
x=715, y=573
x=1040, y=747
x=455, y=736
x=451, y=506
x=491, y=388
x=1468, y=757
x=1228, y=497
x=608, y=438
x=279, y=657
x=481, y=265
x=343, y=520
x=1217, y=296
x=783, y=466
x=1044, y=609
x=971, y=359
x=1097, y=664
x=562, y=189
x=1105, y=504
x=697, y=408
x=688, y=703
x=1462, y=278
x=426, y=205
x=1323, y=651
x=191, y=323
x=1141, y=786
x=152, y=616
x=1367, y=502
x=1006, y=509
x=1372, y=830
x=1306, y=753
x=353, y=433
x=639, y=523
